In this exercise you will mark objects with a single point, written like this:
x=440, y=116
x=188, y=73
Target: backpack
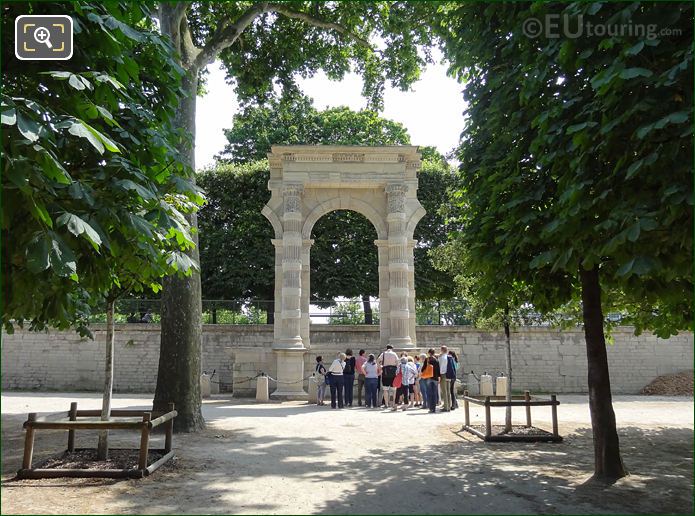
x=450, y=368
x=321, y=374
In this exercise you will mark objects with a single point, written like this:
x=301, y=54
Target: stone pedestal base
x=290, y=374
x=313, y=391
x=262, y=389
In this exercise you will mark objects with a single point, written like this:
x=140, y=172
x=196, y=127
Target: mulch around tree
x=87, y=459
x=517, y=430
x=679, y=384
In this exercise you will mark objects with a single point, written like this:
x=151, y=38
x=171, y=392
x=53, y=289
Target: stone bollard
x=313, y=391
x=214, y=386
x=501, y=386
x=486, y=386
x=204, y=386
x=262, y=389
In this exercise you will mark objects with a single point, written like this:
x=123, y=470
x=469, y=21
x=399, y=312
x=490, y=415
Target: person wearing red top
x=359, y=363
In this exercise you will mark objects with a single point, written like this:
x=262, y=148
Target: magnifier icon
x=43, y=35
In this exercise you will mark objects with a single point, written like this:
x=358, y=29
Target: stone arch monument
x=308, y=182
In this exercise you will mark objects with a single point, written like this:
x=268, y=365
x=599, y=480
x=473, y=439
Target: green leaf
x=632, y=169
x=594, y=8
x=678, y=117
x=59, y=75
x=63, y=260
x=631, y=73
x=633, y=232
x=77, y=227
x=644, y=130
x=28, y=128
x=141, y=190
x=542, y=259
x=37, y=254
x=52, y=168
x=575, y=128
x=75, y=82
x=108, y=143
x=9, y=116
x=635, y=49
x=40, y=212
x=648, y=224
x=639, y=265
x=80, y=129
x=181, y=262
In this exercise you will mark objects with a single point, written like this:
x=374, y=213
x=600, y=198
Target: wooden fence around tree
x=57, y=421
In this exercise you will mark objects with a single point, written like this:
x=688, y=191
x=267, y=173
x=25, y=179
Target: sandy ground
x=293, y=458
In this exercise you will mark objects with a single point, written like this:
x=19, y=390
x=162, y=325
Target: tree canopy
x=94, y=188
x=293, y=120
x=576, y=169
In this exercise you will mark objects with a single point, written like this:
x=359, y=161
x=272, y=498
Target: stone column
x=384, y=305
x=399, y=267
x=306, y=293
x=291, y=268
x=277, y=296
x=411, y=291
x=289, y=347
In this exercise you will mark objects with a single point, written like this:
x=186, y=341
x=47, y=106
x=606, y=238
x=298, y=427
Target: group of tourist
x=424, y=380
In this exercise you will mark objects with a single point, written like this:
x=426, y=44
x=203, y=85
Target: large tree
x=263, y=44
x=90, y=212
x=292, y=119
x=576, y=161
x=79, y=186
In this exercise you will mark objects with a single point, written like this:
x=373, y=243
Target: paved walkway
x=296, y=458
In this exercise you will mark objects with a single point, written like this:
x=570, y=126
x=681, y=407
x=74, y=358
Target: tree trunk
x=103, y=446
x=508, y=357
x=368, y=318
x=608, y=465
x=178, y=377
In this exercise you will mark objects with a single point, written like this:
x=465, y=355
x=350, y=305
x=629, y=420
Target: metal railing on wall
x=341, y=311
x=246, y=311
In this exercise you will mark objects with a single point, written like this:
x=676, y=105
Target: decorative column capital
x=396, y=197
x=292, y=193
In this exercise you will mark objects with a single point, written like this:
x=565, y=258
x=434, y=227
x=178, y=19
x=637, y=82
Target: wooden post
x=488, y=426
x=170, y=431
x=71, y=433
x=466, y=410
x=553, y=408
x=29, y=443
x=144, y=440
x=527, y=397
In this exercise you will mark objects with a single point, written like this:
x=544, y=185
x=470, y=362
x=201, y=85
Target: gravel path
x=293, y=458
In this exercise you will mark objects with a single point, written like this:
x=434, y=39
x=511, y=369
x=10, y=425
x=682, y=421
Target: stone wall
x=543, y=359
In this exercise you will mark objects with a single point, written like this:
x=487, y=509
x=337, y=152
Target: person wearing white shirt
x=337, y=383
x=388, y=361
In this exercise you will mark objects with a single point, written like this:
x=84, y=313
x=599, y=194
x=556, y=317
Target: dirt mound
x=679, y=384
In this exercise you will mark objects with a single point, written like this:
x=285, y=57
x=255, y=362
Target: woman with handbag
x=320, y=374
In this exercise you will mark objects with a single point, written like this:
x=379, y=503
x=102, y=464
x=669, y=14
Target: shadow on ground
x=232, y=471
x=469, y=477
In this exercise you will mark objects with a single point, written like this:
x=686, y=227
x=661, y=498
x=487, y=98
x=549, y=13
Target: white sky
x=431, y=110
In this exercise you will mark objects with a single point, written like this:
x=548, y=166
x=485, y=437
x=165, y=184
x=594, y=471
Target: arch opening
x=344, y=268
